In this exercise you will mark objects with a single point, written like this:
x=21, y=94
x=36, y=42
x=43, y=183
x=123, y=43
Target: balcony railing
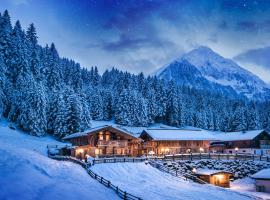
x=115, y=143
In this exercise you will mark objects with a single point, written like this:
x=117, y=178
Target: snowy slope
x=150, y=183
x=204, y=69
x=27, y=173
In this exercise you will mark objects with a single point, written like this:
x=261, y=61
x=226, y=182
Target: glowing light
x=80, y=150
x=201, y=149
x=236, y=149
x=219, y=176
x=194, y=170
x=96, y=151
x=167, y=150
x=162, y=150
x=151, y=153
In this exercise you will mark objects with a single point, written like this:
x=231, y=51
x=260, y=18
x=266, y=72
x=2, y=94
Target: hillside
x=27, y=173
x=160, y=185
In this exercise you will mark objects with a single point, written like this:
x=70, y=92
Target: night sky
x=144, y=35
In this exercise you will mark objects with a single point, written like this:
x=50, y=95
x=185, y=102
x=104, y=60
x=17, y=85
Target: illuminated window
x=100, y=136
x=107, y=136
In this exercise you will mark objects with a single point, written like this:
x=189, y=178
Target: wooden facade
x=174, y=146
x=105, y=141
x=261, y=141
x=219, y=178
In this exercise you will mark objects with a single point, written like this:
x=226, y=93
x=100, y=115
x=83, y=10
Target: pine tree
x=74, y=114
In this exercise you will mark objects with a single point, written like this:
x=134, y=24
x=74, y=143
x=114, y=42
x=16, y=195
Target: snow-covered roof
x=263, y=174
x=179, y=134
x=233, y=136
x=94, y=129
x=201, y=171
x=84, y=133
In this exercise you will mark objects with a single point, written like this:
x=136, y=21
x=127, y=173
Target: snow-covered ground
x=26, y=173
x=149, y=183
x=246, y=185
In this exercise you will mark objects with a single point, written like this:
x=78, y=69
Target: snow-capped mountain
x=204, y=69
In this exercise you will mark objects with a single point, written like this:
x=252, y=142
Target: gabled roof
x=178, y=134
x=209, y=172
x=234, y=136
x=98, y=129
x=263, y=174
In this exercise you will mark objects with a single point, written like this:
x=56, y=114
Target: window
x=100, y=136
x=260, y=188
x=107, y=136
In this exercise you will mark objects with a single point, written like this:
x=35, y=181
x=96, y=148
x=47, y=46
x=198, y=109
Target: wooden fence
x=190, y=156
x=215, y=156
x=121, y=193
x=118, y=159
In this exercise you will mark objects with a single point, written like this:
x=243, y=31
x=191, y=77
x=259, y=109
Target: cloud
x=260, y=56
x=126, y=42
x=19, y=2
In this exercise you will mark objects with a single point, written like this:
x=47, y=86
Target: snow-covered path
x=27, y=173
x=149, y=183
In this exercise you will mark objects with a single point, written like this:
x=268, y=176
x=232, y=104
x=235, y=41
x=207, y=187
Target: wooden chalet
x=175, y=141
x=262, y=180
x=214, y=177
x=104, y=141
x=253, y=142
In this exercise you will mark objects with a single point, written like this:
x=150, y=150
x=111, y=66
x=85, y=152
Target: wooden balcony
x=113, y=143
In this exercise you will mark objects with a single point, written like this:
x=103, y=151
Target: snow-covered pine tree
x=33, y=51
x=74, y=111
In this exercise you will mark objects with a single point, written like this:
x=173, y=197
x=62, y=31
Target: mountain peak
x=213, y=68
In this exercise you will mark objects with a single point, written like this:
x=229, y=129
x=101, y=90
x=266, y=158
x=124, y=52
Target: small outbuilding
x=262, y=180
x=214, y=177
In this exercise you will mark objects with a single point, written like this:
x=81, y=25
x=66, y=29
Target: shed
x=262, y=180
x=215, y=177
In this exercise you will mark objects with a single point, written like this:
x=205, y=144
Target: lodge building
x=175, y=141
x=251, y=142
x=107, y=141
x=104, y=141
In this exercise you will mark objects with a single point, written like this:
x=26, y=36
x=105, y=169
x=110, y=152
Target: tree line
x=43, y=93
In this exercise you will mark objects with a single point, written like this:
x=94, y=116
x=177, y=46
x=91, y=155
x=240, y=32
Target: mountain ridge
x=205, y=69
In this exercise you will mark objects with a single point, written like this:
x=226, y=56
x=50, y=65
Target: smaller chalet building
x=262, y=180
x=104, y=141
x=175, y=141
x=214, y=177
x=253, y=142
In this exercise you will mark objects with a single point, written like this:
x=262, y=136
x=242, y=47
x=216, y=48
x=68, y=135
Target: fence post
x=124, y=159
x=228, y=157
x=253, y=157
x=200, y=155
x=117, y=190
x=125, y=195
x=260, y=157
x=209, y=156
x=95, y=176
x=133, y=159
x=101, y=179
x=109, y=183
x=190, y=156
x=173, y=157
